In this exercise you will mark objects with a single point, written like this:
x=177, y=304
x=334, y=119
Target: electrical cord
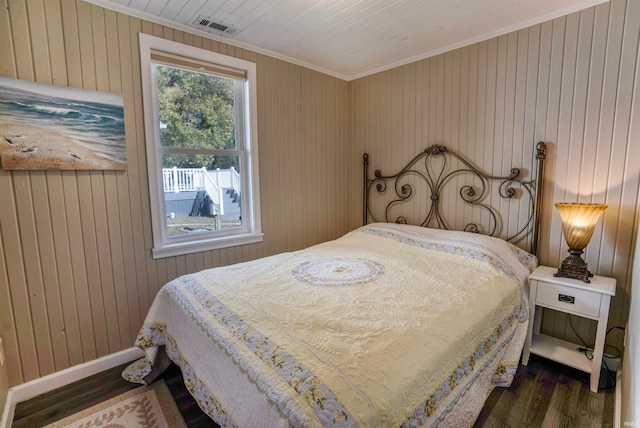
x=588, y=350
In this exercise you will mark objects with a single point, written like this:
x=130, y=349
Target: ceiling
x=348, y=38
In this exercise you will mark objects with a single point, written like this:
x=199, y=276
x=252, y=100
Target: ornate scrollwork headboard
x=432, y=174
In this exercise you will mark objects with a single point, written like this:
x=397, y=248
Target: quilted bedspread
x=389, y=325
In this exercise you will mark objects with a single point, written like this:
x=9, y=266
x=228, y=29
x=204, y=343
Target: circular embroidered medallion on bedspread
x=338, y=272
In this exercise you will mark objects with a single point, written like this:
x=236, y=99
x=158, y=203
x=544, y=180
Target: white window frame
x=250, y=231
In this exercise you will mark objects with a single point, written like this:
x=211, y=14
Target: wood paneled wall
x=572, y=82
x=630, y=390
x=76, y=273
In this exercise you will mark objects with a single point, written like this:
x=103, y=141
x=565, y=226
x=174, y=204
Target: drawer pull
x=566, y=299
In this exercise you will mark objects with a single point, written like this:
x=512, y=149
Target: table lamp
x=578, y=222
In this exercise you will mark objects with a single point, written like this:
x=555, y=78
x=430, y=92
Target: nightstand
x=572, y=296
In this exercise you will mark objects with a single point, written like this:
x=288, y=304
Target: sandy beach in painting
x=31, y=147
x=57, y=127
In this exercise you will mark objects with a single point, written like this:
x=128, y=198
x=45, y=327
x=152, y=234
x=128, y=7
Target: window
x=201, y=139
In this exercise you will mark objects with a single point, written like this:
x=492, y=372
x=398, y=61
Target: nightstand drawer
x=568, y=299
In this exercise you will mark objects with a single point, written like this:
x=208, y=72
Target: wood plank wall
x=572, y=82
x=76, y=274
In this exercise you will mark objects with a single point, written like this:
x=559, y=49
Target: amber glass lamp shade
x=578, y=222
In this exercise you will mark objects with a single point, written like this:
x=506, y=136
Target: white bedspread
x=390, y=325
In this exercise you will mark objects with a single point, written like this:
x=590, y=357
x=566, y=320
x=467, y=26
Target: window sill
x=181, y=248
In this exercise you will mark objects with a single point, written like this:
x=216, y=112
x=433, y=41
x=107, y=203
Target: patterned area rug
x=145, y=406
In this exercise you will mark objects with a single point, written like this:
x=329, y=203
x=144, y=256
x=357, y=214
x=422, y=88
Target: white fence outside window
x=214, y=182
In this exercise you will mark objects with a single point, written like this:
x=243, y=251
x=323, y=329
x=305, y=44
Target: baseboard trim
x=617, y=409
x=62, y=378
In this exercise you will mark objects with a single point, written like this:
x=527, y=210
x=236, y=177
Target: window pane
x=201, y=199
x=199, y=106
x=197, y=110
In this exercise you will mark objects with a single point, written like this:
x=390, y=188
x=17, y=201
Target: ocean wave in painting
x=98, y=126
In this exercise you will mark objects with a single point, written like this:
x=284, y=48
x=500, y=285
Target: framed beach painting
x=60, y=128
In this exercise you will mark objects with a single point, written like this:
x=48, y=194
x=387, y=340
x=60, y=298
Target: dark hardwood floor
x=549, y=394
x=543, y=394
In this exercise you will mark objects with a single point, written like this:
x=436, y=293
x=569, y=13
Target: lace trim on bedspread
x=527, y=259
x=432, y=411
x=505, y=373
x=156, y=335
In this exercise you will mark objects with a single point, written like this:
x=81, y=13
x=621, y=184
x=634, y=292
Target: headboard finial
x=541, y=155
x=541, y=150
x=436, y=149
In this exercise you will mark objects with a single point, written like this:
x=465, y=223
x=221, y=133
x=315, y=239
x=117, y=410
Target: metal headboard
x=474, y=188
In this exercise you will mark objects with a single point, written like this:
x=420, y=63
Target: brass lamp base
x=574, y=267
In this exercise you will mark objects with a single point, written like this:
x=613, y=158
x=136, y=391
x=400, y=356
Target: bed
x=392, y=324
